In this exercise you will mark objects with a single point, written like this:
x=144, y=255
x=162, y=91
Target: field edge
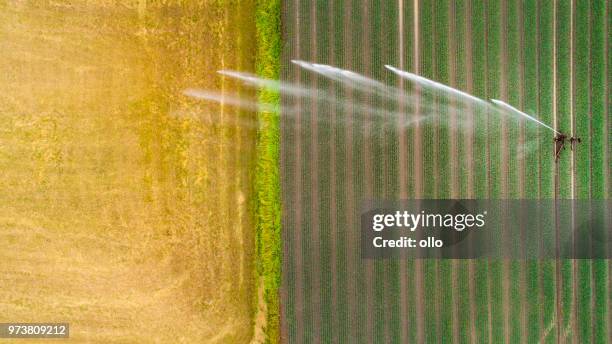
x=267, y=203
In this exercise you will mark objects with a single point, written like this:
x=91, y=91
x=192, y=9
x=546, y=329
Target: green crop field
x=547, y=58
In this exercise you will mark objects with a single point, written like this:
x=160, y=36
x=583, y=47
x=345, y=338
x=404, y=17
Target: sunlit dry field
x=124, y=205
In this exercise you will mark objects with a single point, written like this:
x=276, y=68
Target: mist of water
x=229, y=99
x=309, y=93
x=274, y=85
x=362, y=115
x=417, y=104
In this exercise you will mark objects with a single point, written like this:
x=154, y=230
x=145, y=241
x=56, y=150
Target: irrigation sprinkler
x=560, y=140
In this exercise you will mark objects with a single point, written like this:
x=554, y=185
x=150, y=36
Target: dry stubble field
x=124, y=204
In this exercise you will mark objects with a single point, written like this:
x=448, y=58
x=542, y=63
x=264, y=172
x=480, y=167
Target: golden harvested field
x=125, y=205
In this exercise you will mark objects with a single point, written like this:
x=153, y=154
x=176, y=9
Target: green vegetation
x=499, y=50
x=497, y=181
x=481, y=160
x=582, y=122
x=430, y=176
x=267, y=177
x=462, y=295
x=564, y=113
x=533, y=171
x=444, y=168
x=599, y=158
x=324, y=131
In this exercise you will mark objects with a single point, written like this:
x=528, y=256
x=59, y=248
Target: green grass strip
x=479, y=60
x=582, y=96
x=584, y=302
x=289, y=139
x=494, y=66
x=409, y=65
x=514, y=96
x=598, y=99
x=547, y=165
x=462, y=274
x=583, y=159
x=548, y=304
x=442, y=75
x=463, y=302
x=390, y=35
x=380, y=150
x=532, y=169
x=361, y=318
x=564, y=101
x=481, y=174
x=442, y=58
x=532, y=164
x=564, y=105
x=408, y=53
x=324, y=178
x=545, y=94
x=461, y=63
x=533, y=316
x=516, y=329
x=427, y=49
x=600, y=268
x=343, y=313
x=601, y=291
x=481, y=300
x=567, y=297
x=267, y=177
x=430, y=268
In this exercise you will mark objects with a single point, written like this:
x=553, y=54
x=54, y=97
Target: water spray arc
x=439, y=95
x=512, y=109
x=433, y=84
